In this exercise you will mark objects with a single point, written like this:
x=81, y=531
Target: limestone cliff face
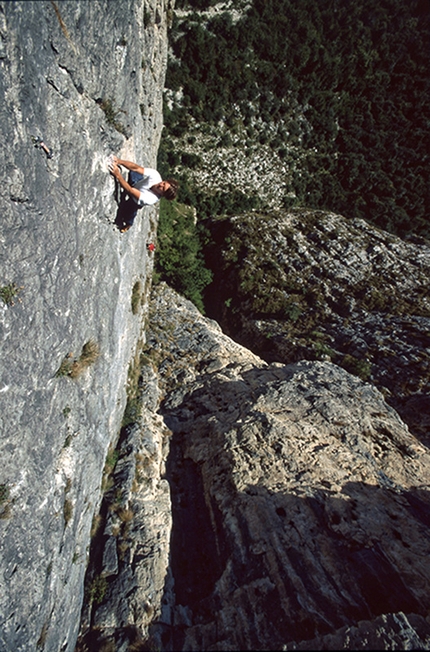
x=252, y=504
x=87, y=78
x=299, y=500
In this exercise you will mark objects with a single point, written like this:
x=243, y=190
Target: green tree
x=179, y=260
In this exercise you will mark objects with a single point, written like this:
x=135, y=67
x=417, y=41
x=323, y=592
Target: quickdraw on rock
x=38, y=142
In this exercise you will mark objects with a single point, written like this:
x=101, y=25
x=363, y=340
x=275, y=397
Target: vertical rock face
x=87, y=78
x=300, y=500
x=130, y=553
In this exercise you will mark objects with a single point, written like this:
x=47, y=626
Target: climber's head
x=167, y=189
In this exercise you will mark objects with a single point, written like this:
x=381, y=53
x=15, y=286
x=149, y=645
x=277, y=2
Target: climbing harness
x=38, y=142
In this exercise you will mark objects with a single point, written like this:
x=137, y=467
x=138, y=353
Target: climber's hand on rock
x=114, y=169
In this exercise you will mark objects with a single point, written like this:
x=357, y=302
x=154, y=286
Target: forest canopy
x=358, y=70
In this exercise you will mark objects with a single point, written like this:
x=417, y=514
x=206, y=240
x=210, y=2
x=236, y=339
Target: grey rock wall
x=300, y=500
x=306, y=284
x=87, y=78
x=130, y=555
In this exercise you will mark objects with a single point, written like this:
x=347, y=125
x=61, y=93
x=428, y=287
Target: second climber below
x=144, y=188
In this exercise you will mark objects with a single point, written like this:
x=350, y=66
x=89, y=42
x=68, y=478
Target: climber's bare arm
x=129, y=165
x=116, y=172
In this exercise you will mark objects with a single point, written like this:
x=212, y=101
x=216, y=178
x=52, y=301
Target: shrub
x=90, y=353
x=136, y=297
x=74, y=368
x=111, y=115
x=179, y=260
x=65, y=367
x=4, y=493
x=67, y=511
x=126, y=515
x=97, y=590
x=360, y=368
x=5, y=502
x=133, y=408
x=110, y=463
x=8, y=293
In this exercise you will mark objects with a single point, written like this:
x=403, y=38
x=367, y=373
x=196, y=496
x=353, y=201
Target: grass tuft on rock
x=73, y=368
x=10, y=292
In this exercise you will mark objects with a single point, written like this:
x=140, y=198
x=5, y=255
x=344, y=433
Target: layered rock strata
x=87, y=78
x=300, y=499
x=304, y=284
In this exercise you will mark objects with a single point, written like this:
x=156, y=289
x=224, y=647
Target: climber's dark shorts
x=128, y=207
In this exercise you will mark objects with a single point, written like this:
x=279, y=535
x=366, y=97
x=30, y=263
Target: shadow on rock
x=264, y=569
x=415, y=411
x=126, y=213
x=290, y=519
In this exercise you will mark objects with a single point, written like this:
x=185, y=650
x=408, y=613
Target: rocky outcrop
x=300, y=499
x=305, y=284
x=126, y=580
x=392, y=632
x=87, y=78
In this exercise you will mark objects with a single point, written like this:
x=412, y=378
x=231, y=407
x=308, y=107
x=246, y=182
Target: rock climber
x=144, y=188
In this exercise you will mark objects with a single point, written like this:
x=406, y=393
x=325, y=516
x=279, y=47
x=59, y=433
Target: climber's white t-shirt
x=150, y=178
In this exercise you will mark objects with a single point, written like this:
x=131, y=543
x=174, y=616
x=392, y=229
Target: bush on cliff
x=179, y=260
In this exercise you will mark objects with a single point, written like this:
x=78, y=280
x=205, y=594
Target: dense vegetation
x=179, y=259
x=358, y=71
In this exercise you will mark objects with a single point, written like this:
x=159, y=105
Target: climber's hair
x=171, y=192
